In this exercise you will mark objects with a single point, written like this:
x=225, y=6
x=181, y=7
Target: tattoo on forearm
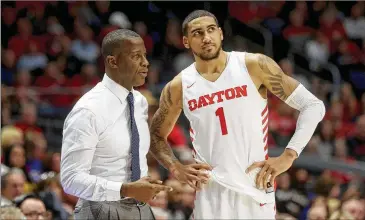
x=275, y=76
x=159, y=146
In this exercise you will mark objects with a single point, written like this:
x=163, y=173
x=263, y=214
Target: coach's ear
x=111, y=61
x=186, y=42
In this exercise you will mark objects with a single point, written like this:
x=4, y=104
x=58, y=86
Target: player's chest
x=212, y=95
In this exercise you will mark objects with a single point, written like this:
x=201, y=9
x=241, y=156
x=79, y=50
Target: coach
x=106, y=138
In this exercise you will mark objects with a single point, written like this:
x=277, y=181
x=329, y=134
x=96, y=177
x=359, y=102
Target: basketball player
x=224, y=96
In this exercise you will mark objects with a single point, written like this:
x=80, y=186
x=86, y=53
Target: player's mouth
x=208, y=46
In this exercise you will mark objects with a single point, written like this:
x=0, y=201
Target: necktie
x=135, y=167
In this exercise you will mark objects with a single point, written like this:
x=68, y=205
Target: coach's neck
x=117, y=77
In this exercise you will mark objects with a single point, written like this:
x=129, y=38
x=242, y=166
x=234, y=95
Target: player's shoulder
x=248, y=58
x=176, y=83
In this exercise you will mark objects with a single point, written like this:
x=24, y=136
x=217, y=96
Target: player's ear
x=221, y=32
x=186, y=42
x=111, y=61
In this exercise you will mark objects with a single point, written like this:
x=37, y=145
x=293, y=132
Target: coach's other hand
x=272, y=167
x=192, y=174
x=143, y=189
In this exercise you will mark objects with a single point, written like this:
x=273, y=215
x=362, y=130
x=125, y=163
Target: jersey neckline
x=220, y=76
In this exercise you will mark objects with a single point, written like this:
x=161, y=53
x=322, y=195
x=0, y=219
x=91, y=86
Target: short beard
x=208, y=58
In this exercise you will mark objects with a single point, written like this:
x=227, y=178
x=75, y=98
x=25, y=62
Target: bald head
x=113, y=39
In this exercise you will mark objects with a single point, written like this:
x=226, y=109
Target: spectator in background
x=14, y=157
x=11, y=135
x=182, y=61
x=24, y=93
x=102, y=11
x=288, y=199
x=59, y=46
x=351, y=106
x=287, y=66
x=83, y=48
x=342, y=127
x=28, y=119
x=317, y=9
x=83, y=82
x=341, y=153
x=318, y=212
x=19, y=43
x=8, y=61
x=11, y=213
x=5, y=107
x=50, y=191
x=8, y=17
x=297, y=33
x=54, y=81
x=326, y=140
x=332, y=27
x=348, y=53
x=282, y=124
x=53, y=162
x=33, y=208
x=356, y=143
x=355, y=208
x=12, y=185
x=36, y=146
x=36, y=16
x=355, y=24
x=141, y=29
x=318, y=51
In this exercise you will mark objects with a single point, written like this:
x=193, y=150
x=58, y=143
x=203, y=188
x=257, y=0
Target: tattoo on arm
x=162, y=121
x=275, y=76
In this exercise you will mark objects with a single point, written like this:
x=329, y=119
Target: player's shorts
x=215, y=201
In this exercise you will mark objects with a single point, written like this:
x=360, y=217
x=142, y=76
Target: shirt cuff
x=113, y=190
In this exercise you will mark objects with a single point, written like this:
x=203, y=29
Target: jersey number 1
x=222, y=120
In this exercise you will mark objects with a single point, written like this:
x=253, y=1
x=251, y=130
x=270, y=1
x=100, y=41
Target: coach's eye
x=211, y=29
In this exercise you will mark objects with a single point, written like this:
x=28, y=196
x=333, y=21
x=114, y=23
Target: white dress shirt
x=96, y=147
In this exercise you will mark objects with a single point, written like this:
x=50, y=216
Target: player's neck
x=212, y=66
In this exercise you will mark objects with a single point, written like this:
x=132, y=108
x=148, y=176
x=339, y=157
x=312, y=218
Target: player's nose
x=207, y=39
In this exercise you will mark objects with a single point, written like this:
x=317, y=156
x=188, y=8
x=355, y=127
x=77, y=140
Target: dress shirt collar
x=118, y=90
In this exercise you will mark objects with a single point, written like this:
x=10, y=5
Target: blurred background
x=50, y=56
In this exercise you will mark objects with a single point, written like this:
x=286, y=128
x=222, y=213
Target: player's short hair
x=113, y=40
x=194, y=15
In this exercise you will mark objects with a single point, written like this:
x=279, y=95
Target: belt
x=129, y=200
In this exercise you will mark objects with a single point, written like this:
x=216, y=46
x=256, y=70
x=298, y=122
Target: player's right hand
x=192, y=174
x=143, y=189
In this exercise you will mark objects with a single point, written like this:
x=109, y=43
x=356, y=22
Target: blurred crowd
x=51, y=56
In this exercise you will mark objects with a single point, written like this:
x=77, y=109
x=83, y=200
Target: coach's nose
x=145, y=62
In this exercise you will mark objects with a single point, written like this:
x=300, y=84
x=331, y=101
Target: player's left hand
x=272, y=167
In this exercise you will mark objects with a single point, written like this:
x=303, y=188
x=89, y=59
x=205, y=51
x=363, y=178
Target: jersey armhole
x=242, y=62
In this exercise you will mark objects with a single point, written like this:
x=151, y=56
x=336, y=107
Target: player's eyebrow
x=199, y=28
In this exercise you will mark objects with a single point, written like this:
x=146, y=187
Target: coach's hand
x=144, y=189
x=272, y=167
x=192, y=174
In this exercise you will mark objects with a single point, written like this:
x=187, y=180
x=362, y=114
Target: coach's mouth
x=143, y=73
